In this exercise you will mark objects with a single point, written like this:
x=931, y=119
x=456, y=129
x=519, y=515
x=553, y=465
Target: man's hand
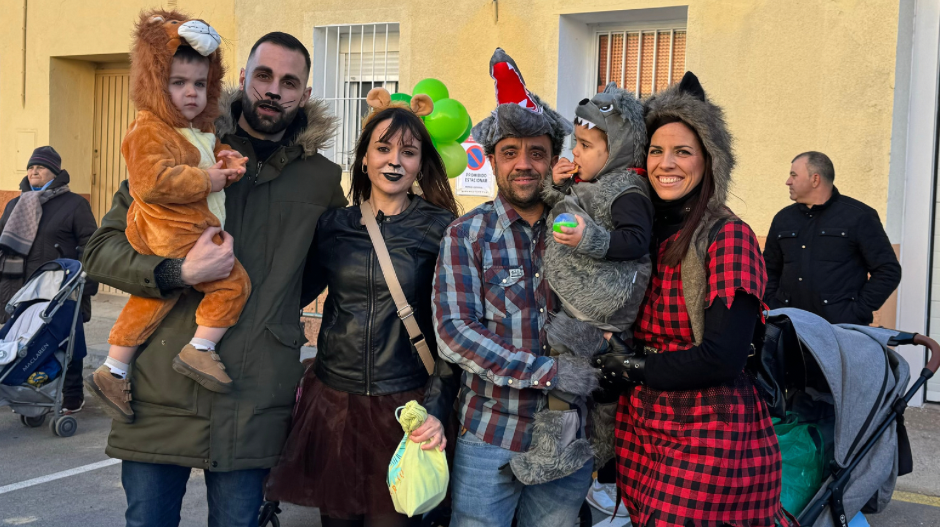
x=206, y=261
x=432, y=430
x=220, y=176
x=563, y=170
x=568, y=236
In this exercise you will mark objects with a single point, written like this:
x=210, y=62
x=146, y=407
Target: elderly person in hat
x=46, y=222
x=491, y=305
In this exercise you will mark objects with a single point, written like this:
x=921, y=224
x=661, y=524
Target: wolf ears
x=692, y=86
x=379, y=99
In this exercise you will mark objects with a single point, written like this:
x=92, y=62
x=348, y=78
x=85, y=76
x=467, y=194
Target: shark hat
x=519, y=112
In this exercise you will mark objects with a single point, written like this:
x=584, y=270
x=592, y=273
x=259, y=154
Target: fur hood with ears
x=316, y=134
x=157, y=36
x=687, y=102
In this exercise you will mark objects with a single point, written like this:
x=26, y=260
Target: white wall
x=920, y=172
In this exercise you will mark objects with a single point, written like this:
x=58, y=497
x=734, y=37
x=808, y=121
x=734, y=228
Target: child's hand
x=568, y=236
x=563, y=169
x=233, y=160
x=220, y=176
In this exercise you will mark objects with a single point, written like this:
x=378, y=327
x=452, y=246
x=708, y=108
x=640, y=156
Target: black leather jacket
x=363, y=347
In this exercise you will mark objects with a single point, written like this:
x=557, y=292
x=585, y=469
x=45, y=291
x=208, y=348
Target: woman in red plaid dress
x=695, y=444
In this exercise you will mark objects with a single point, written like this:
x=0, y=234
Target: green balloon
x=448, y=121
x=403, y=97
x=433, y=88
x=466, y=133
x=454, y=157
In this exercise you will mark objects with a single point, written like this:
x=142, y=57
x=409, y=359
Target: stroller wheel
x=33, y=422
x=65, y=426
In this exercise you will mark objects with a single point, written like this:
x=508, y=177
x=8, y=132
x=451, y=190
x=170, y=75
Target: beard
x=520, y=198
x=266, y=124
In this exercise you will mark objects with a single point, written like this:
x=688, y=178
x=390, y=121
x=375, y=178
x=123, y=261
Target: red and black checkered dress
x=702, y=458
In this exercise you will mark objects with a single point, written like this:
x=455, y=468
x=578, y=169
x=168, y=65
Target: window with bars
x=642, y=61
x=348, y=61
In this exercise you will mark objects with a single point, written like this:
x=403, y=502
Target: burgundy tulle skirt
x=336, y=456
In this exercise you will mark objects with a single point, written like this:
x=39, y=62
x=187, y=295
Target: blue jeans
x=485, y=497
x=155, y=495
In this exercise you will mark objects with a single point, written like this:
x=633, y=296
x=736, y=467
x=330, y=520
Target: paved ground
x=92, y=495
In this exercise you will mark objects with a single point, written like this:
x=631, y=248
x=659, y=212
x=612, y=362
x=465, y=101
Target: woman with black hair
x=695, y=444
x=344, y=431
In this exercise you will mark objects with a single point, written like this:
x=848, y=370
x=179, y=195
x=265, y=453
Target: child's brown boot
x=203, y=367
x=113, y=392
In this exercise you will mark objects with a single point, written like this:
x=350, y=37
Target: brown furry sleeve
x=154, y=167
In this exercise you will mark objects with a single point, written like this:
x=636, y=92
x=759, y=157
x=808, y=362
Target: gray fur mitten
x=576, y=375
x=548, y=457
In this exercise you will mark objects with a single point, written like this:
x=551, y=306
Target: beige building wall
x=65, y=44
x=792, y=75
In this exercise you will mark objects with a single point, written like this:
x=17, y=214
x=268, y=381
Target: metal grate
x=644, y=61
x=348, y=61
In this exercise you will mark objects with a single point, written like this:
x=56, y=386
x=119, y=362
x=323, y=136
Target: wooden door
x=114, y=111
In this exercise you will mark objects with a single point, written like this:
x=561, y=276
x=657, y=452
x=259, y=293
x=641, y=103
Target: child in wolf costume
x=599, y=270
x=176, y=172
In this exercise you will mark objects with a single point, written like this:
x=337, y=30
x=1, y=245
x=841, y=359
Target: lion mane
x=156, y=39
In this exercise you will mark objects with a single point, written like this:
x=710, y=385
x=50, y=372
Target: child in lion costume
x=176, y=173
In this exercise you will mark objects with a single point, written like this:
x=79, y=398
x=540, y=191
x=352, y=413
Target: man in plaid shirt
x=492, y=302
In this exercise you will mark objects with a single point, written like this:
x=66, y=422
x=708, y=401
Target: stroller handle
x=934, y=348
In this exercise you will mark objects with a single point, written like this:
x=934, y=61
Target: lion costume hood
x=157, y=36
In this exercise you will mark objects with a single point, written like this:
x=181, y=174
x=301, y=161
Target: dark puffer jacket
x=363, y=347
x=819, y=259
x=66, y=225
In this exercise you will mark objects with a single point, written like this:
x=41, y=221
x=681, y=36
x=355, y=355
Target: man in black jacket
x=828, y=253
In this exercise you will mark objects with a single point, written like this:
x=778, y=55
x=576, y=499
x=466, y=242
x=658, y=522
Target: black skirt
x=336, y=456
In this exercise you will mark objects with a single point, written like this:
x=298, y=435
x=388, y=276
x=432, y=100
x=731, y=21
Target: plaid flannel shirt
x=492, y=301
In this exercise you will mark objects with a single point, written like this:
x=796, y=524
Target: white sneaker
x=603, y=497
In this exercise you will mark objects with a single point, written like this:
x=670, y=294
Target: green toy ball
x=433, y=88
x=565, y=219
x=403, y=97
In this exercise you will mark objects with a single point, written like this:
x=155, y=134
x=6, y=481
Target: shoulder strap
x=405, y=311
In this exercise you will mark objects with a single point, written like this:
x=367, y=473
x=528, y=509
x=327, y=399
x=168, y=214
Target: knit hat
x=519, y=112
x=46, y=156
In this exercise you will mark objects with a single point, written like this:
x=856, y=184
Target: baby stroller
x=848, y=382
x=37, y=344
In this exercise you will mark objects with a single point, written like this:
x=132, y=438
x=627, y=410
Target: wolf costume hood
x=519, y=112
x=688, y=103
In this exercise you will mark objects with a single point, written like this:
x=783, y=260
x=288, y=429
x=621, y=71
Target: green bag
x=417, y=479
x=801, y=449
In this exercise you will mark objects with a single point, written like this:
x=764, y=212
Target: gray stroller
x=848, y=381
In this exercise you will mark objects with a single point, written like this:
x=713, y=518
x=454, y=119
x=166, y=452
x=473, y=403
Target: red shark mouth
x=510, y=88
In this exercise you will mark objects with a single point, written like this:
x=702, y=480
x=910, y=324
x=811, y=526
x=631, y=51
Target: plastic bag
x=417, y=479
x=801, y=449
